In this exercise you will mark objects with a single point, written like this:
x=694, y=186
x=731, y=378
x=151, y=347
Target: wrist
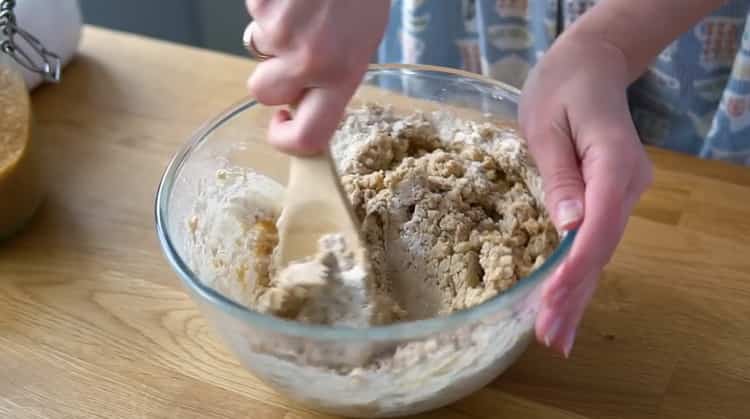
x=639, y=29
x=606, y=54
x=591, y=54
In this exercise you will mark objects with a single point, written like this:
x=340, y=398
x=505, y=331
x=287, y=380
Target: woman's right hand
x=319, y=51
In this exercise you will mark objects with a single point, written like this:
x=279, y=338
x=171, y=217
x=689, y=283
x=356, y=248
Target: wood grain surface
x=94, y=324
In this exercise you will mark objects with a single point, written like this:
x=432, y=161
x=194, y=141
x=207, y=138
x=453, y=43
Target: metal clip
x=46, y=63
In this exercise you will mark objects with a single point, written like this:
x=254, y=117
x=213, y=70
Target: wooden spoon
x=314, y=205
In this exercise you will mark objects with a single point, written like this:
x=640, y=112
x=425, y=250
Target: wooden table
x=94, y=324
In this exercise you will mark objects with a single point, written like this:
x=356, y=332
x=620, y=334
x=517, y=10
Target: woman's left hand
x=574, y=114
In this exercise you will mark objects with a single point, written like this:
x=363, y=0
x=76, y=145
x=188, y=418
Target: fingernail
x=569, y=339
x=569, y=212
x=552, y=331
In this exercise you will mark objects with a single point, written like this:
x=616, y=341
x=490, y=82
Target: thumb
x=555, y=156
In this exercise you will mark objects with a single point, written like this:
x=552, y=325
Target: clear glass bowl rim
x=398, y=331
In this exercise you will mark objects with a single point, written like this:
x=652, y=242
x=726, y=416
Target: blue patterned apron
x=694, y=98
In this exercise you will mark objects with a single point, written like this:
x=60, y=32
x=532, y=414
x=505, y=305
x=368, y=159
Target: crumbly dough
x=450, y=215
x=451, y=210
x=329, y=288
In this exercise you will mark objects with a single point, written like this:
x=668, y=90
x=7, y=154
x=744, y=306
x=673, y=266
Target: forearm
x=640, y=29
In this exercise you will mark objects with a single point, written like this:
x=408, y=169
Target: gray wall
x=213, y=24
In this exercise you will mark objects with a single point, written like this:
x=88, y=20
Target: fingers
x=557, y=325
x=257, y=8
x=612, y=171
x=277, y=82
x=314, y=122
x=313, y=55
x=279, y=79
x=597, y=237
x=254, y=37
x=282, y=78
x=274, y=22
x=605, y=219
x=555, y=156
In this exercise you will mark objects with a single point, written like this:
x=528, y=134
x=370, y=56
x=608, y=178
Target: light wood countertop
x=94, y=323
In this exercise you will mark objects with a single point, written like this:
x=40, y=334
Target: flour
x=223, y=236
x=330, y=288
x=410, y=377
x=451, y=216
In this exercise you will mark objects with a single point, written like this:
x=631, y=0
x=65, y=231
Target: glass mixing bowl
x=393, y=370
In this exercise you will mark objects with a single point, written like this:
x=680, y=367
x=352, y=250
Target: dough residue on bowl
x=451, y=215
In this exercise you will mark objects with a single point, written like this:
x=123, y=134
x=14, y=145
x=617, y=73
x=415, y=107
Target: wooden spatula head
x=314, y=205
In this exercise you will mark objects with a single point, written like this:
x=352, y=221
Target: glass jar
x=21, y=169
x=21, y=186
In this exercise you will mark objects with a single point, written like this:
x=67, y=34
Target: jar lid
x=24, y=48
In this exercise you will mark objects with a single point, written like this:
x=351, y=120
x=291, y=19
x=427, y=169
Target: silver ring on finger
x=249, y=43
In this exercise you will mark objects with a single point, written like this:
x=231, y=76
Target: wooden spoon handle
x=315, y=204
